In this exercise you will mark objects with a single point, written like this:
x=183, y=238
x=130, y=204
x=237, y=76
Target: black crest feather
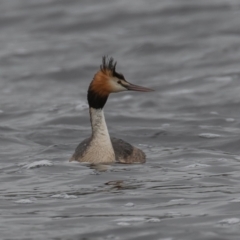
x=108, y=63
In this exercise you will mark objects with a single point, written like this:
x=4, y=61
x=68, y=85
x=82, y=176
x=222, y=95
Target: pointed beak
x=132, y=87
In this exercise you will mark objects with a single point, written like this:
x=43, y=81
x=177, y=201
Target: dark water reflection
x=188, y=51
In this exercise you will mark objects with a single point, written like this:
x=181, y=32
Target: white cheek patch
x=115, y=86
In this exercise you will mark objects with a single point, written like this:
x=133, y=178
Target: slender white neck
x=99, y=126
x=100, y=149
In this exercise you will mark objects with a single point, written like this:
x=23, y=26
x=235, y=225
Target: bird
x=100, y=148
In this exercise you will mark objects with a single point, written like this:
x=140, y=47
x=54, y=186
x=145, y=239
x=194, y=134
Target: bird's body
x=100, y=147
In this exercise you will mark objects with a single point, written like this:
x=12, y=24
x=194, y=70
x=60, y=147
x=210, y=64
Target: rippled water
x=188, y=51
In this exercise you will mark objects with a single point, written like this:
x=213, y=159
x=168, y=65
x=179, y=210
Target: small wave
x=237, y=200
x=36, y=164
x=130, y=204
x=229, y=221
x=224, y=79
x=214, y=113
x=128, y=220
x=209, y=135
x=24, y=201
x=197, y=165
x=230, y=120
x=177, y=200
x=81, y=106
x=63, y=195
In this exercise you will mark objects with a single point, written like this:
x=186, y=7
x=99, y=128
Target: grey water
x=188, y=52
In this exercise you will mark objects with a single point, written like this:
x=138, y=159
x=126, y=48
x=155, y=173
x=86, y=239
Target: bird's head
x=107, y=81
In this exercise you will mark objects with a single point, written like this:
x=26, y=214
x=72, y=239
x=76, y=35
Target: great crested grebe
x=100, y=147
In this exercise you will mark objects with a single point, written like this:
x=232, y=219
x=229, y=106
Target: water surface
x=188, y=51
